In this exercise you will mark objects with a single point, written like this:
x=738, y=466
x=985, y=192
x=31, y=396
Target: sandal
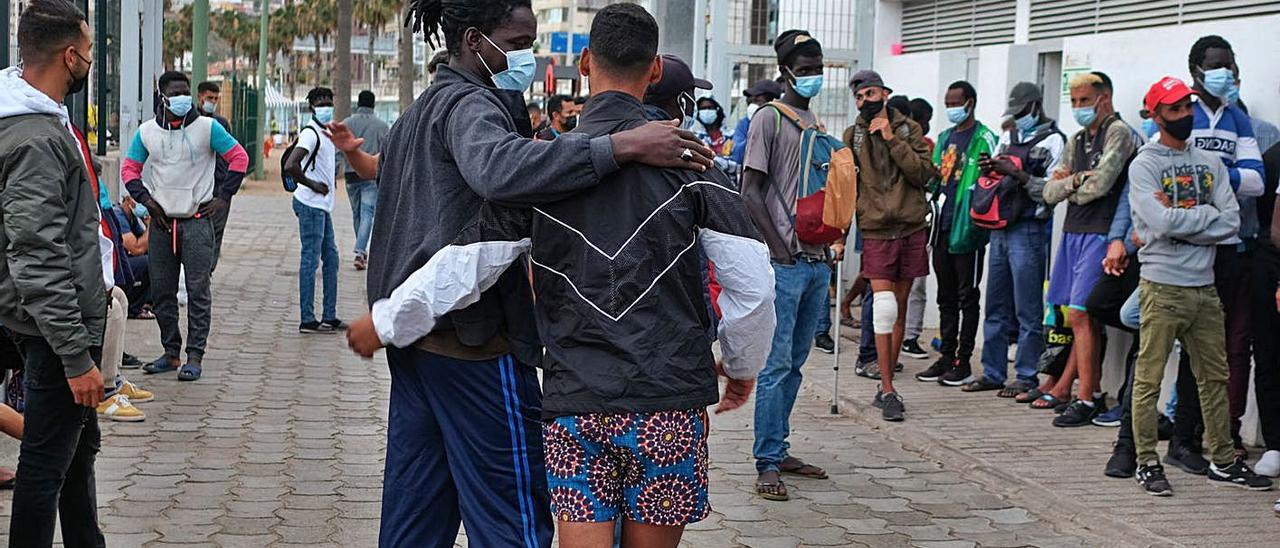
x=797, y=467
x=189, y=372
x=1046, y=401
x=982, y=385
x=161, y=365
x=1029, y=396
x=1011, y=391
x=771, y=490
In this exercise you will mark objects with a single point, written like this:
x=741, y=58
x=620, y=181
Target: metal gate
x=245, y=120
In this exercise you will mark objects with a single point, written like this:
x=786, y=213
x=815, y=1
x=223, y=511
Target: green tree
x=342, y=53
x=316, y=19
x=177, y=32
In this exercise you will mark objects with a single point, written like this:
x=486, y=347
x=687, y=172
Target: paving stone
x=869, y=526
x=769, y=542
x=1007, y=515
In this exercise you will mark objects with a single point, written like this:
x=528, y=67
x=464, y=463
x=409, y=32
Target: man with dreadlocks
x=464, y=438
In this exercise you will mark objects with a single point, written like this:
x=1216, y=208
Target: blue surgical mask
x=1149, y=128
x=140, y=211
x=208, y=107
x=1233, y=94
x=956, y=115
x=324, y=115
x=1085, y=115
x=1218, y=81
x=708, y=116
x=1027, y=123
x=179, y=105
x=520, y=68
x=807, y=86
x=687, y=122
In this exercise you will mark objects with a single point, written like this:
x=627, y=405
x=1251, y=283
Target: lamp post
x=199, y=40
x=263, y=25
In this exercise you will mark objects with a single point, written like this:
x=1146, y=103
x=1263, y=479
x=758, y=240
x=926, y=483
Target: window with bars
x=929, y=25
x=1058, y=18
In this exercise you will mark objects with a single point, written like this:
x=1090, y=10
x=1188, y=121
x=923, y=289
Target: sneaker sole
x=1070, y=425
x=1180, y=466
x=1225, y=483
x=316, y=331
x=1106, y=424
x=1165, y=493
x=960, y=382
x=916, y=356
x=929, y=378
x=122, y=419
x=823, y=350
x=894, y=419
x=139, y=366
x=132, y=400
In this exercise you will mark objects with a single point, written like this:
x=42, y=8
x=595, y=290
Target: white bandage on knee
x=884, y=312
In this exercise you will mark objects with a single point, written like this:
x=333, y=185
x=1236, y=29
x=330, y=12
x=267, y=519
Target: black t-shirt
x=952, y=170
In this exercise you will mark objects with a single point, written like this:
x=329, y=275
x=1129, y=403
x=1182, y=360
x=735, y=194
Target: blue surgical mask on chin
x=1027, y=124
x=807, y=86
x=520, y=68
x=956, y=115
x=179, y=105
x=1218, y=81
x=324, y=115
x=1085, y=115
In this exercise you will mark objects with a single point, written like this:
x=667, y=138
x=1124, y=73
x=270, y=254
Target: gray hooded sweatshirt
x=1180, y=240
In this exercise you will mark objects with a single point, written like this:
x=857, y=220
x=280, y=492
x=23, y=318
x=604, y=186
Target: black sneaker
x=1077, y=414
x=1123, y=463
x=314, y=328
x=911, y=349
x=1236, y=474
x=1151, y=478
x=959, y=374
x=1184, y=457
x=935, y=371
x=334, y=324
x=824, y=343
x=891, y=407
x=129, y=361
x=878, y=401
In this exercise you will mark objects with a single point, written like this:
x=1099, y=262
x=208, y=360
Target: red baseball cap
x=1167, y=91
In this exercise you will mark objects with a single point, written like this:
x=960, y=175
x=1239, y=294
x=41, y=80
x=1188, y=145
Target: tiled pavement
x=281, y=443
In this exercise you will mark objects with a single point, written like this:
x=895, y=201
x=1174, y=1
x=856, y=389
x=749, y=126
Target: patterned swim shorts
x=650, y=468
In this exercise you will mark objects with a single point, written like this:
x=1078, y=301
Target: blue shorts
x=650, y=468
x=1077, y=269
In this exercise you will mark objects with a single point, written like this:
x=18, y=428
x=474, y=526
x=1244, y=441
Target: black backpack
x=291, y=185
x=999, y=201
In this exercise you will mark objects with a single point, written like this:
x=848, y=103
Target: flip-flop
x=1011, y=391
x=797, y=467
x=763, y=489
x=189, y=372
x=1028, y=396
x=1046, y=401
x=160, y=365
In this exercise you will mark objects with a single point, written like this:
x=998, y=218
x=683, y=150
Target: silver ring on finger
x=686, y=155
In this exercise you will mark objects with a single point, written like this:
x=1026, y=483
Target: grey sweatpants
x=195, y=252
x=917, y=300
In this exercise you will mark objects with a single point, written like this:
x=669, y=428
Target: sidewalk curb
x=1096, y=528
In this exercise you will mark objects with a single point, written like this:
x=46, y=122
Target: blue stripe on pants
x=464, y=445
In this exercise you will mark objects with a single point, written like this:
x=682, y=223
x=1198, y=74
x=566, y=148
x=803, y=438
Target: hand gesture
x=362, y=337
x=86, y=388
x=1000, y=164
x=881, y=124
x=212, y=208
x=1116, y=260
x=736, y=391
x=157, y=214
x=342, y=138
x=662, y=144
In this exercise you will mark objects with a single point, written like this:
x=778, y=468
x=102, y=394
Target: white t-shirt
x=323, y=171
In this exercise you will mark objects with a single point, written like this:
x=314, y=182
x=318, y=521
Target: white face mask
x=752, y=109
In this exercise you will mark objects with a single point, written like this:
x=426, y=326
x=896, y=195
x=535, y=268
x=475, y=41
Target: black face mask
x=870, y=109
x=570, y=123
x=78, y=82
x=1179, y=129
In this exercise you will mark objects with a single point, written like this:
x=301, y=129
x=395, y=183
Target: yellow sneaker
x=136, y=394
x=118, y=408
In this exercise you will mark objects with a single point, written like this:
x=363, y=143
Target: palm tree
x=315, y=19
x=375, y=14
x=408, y=71
x=177, y=31
x=240, y=31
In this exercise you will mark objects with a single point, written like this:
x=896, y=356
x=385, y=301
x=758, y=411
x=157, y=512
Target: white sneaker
x=1277, y=508
x=1269, y=464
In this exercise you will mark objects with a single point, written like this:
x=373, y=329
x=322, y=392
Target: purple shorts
x=1077, y=269
x=899, y=260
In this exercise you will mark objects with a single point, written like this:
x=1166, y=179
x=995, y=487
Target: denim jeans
x=363, y=196
x=1015, y=290
x=315, y=229
x=800, y=297
x=55, y=464
x=867, y=352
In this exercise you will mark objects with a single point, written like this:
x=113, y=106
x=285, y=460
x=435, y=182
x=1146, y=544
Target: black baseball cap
x=1021, y=96
x=764, y=87
x=677, y=77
